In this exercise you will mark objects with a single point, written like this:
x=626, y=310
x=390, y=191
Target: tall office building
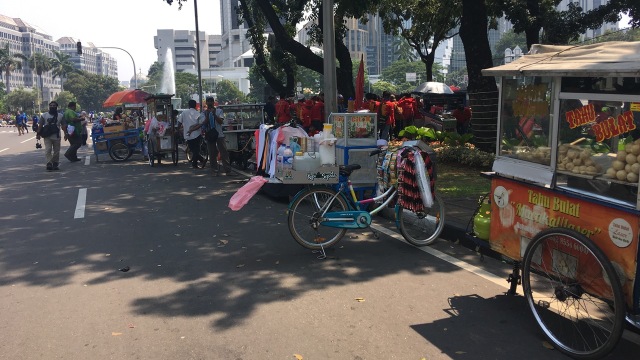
x=26, y=39
x=234, y=35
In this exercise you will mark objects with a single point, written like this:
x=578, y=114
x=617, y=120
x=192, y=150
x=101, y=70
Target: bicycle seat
x=346, y=170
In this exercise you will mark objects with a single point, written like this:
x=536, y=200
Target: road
x=204, y=282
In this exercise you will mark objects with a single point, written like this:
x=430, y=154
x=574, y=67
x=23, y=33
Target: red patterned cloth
x=408, y=190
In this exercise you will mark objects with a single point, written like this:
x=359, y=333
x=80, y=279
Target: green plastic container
x=482, y=221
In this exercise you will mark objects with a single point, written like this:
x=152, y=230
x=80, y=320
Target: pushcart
x=119, y=144
x=162, y=134
x=240, y=123
x=564, y=207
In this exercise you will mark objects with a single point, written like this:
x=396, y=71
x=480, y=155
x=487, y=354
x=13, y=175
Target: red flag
x=359, y=85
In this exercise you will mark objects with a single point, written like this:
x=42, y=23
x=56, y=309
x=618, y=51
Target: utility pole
x=195, y=8
x=329, y=51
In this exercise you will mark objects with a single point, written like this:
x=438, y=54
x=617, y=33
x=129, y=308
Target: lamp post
x=195, y=9
x=135, y=75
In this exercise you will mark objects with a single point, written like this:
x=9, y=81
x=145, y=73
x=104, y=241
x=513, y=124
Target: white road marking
x=22, y=142
x=498, y=280
x=5, y=149
x=87, y=159
x=82, y=199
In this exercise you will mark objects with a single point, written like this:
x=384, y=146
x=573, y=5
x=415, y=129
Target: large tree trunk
x=482, y=90
x=533, y=31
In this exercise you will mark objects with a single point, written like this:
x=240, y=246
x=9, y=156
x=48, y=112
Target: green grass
x=458, y=181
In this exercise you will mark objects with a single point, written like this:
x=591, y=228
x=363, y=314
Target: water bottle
x=287, y=158
x=279, y=155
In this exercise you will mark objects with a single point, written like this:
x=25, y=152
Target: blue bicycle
x=319, y=215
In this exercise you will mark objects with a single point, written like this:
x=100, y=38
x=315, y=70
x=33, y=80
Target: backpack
x=211, y=133
x=50, y=128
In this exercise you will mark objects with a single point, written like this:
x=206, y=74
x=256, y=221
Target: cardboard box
x=102, y=146
x=165, y=143
x=113, y=128
x=322, y=175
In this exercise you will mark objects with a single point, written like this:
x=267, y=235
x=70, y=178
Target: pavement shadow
x=474, y=321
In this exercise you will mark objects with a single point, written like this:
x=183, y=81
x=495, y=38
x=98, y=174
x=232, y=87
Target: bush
x=464, y=155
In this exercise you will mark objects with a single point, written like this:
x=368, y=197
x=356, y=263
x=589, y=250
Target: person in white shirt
x=192, y=120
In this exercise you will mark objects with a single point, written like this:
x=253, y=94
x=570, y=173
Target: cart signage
x=361, y=126
x=531, y=100
x=522, y=210
x=603, y=130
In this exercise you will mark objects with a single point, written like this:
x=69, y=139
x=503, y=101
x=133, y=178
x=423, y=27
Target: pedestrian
x=117, y=115
x=18, y=123
x=34, y=123
x=83, y=124
x=283, y=110
x=215, y=117
x=317, y=113
x=51, y=135
x=191, y=121
x=463, y=118
x=25, y=128
x=72, y=127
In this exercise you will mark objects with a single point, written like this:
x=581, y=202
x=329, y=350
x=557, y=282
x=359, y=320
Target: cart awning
x=610, y=59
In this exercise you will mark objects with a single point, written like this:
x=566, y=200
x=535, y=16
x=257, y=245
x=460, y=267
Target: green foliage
x=396, y=73
x=465, y=155
x=382, y=86
x=91, y=90
x=228, y=91
x=186, y=84
x=510, y=39
x=21, y=99
x=455, y=139
x=65, y=97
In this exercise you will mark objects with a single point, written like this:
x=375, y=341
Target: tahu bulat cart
x=240, y=123
x=118, y=142
x=564, y=205
x=162, y=130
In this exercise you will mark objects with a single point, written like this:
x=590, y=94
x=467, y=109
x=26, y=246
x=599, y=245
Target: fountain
x=168, y=83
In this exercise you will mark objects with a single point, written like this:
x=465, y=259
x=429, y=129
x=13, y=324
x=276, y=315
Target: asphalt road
x=204, y=282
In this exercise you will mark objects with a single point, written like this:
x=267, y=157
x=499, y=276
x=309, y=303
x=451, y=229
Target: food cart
x=118, y=142
x=240, y=123
x=564, y=203
x=162, y=132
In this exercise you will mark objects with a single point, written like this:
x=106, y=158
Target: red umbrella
x=359, y=85
x=126, y=97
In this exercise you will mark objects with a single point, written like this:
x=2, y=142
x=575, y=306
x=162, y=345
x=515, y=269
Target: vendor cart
x=564, y=206
x=240, y=123
x=162, y=132
x=119, y=143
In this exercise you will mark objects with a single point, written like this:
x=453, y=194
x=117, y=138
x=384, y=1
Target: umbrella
x=432, y=87
x=126, y=97
x=359, y=85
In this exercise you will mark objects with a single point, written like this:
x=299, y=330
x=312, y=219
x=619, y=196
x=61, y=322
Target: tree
x=228, y=91
x=186, y=83
x=510, y=40
x=21, y=99
x=91, y=90
x=381, y=86
x=8, y=63
x=39, y=63
x=431, y=22
x=61, y=66
x=403, y=50
x=65, y=97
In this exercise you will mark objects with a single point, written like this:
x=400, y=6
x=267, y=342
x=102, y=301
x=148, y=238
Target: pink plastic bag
x=246, y=192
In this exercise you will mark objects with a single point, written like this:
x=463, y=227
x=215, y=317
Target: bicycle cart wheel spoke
x=306, y=222
x=574, y=293
x=421, y=229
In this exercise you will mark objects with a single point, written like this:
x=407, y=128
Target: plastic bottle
x=279, y=155
x=293, y=143
x=287, y=158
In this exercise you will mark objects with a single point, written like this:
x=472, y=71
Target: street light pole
x=195, y=9
x=135, y=75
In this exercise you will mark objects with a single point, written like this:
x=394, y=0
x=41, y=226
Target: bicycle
x=204, y=153
x=319, y=215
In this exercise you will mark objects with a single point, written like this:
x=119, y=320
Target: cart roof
x=610, y=59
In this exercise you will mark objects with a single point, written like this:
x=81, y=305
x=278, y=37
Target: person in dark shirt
x=270, y=110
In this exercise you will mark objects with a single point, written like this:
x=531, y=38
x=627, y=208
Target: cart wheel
x=187, y=153
x=174, y=154
x=119, y=152
x=574, y=293
x=151, y=151
x=204, y=154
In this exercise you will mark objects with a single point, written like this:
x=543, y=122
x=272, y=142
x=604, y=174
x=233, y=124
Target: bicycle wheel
x=151, y=152
x=174, y=151
x=305, y=222
x=574, y=293
x=204, y=154
x=119, y=151
x=422, y=228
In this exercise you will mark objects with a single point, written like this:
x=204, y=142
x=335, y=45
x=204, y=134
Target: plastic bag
x=246, y=192
x=70, y=129
x=422, y=178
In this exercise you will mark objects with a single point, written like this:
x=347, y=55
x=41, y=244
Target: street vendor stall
x=240, y=123
x=162, y=130
x=564, y=204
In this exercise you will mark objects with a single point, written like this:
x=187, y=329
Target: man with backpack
x=49, y=130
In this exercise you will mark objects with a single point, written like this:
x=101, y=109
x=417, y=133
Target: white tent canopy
x=608, y=59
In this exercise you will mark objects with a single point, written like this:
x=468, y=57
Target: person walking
x=215, y=116
x=191, y=121
x=51, y=135
x=72, y=127
x=19, y=123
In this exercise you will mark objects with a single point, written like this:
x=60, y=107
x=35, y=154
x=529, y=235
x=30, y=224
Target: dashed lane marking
x=80, y=204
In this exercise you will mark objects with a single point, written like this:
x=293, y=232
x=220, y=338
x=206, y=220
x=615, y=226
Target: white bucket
x=307, y=162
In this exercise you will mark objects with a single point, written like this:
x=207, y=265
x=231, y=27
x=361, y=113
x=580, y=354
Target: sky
x=127, y=24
